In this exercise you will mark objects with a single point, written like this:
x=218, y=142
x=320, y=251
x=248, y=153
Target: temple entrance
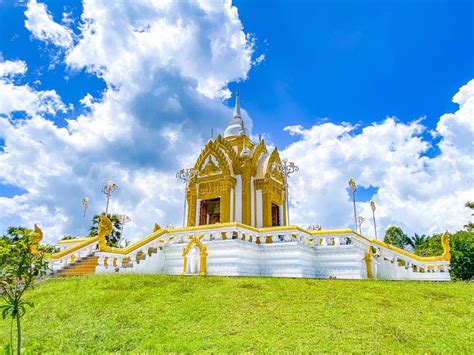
x=210, y=211
x=275, y=215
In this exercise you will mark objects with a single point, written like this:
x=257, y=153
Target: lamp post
x=185, y=175
x=123, y=219
x=372, y=206
x=360, y=220
x=108, y=189
x=288, y=168
x=353, y=186
x=85, y=204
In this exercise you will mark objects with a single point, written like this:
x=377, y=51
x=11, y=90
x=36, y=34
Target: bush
x=462, y=255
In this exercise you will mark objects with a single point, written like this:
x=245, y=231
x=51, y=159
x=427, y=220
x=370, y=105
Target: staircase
x=85, y=266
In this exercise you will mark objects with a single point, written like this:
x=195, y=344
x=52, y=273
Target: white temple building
x=236, y=218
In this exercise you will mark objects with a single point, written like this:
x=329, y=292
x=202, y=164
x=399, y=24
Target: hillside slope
x=216, y=314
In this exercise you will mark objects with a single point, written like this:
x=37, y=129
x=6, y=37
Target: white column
x=259, y=209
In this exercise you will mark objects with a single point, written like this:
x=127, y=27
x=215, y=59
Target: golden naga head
x=105, y=228
x=446, y=247
x=156, y=227
x=37, y=237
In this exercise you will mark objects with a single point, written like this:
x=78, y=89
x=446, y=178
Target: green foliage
x=431, y=246
x=462, y=255
x=48, y=248
x=68, y=237
x=470, y=226
x=418, y=240
x=462, y=252
x=112, y=239
x=18, y=269
x=15, y=233
x=395, y=236
x=116, y=313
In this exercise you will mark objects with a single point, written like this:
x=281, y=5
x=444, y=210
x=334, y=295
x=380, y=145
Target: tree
x=470, y=226
x=462, y=255
x=15, y=233
x=69, y=237
x=417, y=240
x=114, y=238
x=395, y=236
x=431, y=246
x=21, y=261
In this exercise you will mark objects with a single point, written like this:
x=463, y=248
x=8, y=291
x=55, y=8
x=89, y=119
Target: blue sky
x=333, y=71
x=356, y=61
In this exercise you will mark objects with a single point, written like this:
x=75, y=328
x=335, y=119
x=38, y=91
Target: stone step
x=85, y=266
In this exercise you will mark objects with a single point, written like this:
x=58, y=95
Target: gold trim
x=122, y=251
x=446, y=256
x=73, y=249
x=368, y=262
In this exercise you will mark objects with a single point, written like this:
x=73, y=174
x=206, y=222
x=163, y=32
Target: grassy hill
x=158, y=313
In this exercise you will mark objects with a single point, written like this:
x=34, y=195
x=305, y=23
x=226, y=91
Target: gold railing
x=105, y=229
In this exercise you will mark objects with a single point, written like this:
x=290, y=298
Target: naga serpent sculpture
x=37, y=236
x=105, y=228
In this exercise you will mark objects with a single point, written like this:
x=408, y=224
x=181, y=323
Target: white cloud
x=201, y=40
x=418, y=193
x=42, y=26
x=15, y=97
x=166, y=67
x=11, y=68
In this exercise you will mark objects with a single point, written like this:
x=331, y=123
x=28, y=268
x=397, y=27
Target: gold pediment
x=210, y=169
x=276, y=172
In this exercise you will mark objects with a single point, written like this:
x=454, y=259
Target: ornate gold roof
x=230, y=156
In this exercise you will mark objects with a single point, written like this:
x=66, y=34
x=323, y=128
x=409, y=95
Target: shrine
x=236, y=224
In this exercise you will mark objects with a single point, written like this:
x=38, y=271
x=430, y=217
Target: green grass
x=156, y=313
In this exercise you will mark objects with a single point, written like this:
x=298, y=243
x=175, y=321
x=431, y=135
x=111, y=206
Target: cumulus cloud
x=201, y=40
x=419, y=193
x=42, y=26
x=166, y=66
x=9, y=68
x=15, y=97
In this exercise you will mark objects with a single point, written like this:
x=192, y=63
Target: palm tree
x=417, y=240
x=114, y=237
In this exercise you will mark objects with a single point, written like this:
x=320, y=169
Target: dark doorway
x=210, y=211
x=275, y=215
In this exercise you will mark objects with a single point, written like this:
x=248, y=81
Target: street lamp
x=108, y=189
x=353, y=186
x=123, y=218
x=360, y=220
x=372, y=206
x=85, y=204
x=288, y=168
x=185, y=175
